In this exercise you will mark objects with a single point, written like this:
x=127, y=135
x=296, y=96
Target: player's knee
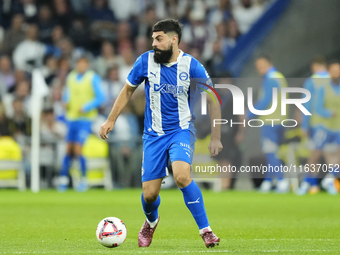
x=150, y=196
x=182, y=180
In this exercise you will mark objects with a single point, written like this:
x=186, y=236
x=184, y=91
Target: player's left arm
x=215, y=145
x=99, y=95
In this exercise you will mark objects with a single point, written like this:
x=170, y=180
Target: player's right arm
x=137, y=75
x=121, y=101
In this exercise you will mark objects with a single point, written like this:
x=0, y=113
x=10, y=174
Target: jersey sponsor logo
x=185, y=145
x=169, y=88
x=158, y=87
x=183, y=76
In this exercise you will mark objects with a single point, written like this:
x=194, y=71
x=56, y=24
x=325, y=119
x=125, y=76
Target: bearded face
x=163, y=56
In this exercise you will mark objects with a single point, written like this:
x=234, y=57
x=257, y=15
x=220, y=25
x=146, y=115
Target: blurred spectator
x=22, y=93
x=3, y=121
x=123, y=153
x=112, y=87
x=51, y=131
x=215, y=63
x=27, y=7
x=217, y=52
x=62, y=72
x=138, y=105
x=7, y=79
x=107, y=59
x=2, y=36
x=102, y=21
x=142, y=46
x=231, y=136
x=124, y=37
x=183, y=46
x=196, y=54
x=63, y=13
x=81, y=6
x=123, y=10
x=29, y=53
x=232, y=31
x=57, y=35
x=171, y=8
x=128, y=64
x=72, y=53
x=14, y=35
x=197, y=34
x=246, y=13
x=49, y=70
x=79, y=32
x=148, y=20
x=20, y=123
x=220, y=13
x=46, y=24
x=55, y=101
x=19, y=76
x=99, y=11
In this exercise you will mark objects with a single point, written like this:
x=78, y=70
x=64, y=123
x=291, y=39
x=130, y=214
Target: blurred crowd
x=111, y=34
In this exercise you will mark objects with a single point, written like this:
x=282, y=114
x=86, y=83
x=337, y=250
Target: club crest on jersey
x=183, y=76
x=169, y=88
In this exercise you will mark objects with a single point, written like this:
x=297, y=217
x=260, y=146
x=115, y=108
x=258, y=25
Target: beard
x=162, y=56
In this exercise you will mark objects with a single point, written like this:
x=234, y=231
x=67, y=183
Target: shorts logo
x=183, y=76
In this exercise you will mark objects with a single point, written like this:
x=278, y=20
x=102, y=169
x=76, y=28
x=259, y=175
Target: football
x=111, y=232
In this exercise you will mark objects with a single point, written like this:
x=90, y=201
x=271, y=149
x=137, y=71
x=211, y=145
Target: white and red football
x=111, y=232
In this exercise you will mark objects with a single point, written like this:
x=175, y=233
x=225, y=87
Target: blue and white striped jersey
x=167, y=91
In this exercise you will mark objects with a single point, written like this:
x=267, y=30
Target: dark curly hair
x=169, y=25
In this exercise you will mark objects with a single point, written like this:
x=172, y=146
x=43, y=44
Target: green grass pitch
x=246, y=222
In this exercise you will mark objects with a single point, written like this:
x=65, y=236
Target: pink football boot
x=145, y=234
x=209, y=238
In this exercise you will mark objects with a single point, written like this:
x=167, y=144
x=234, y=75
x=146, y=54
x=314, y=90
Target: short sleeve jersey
x=167, y=91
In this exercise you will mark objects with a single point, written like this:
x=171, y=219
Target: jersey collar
x=178, y=59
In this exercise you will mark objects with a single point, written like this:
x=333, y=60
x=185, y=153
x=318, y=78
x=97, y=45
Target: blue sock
x=82, y=162
x=194, y=201
x=66, y=166
x=151, y=210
